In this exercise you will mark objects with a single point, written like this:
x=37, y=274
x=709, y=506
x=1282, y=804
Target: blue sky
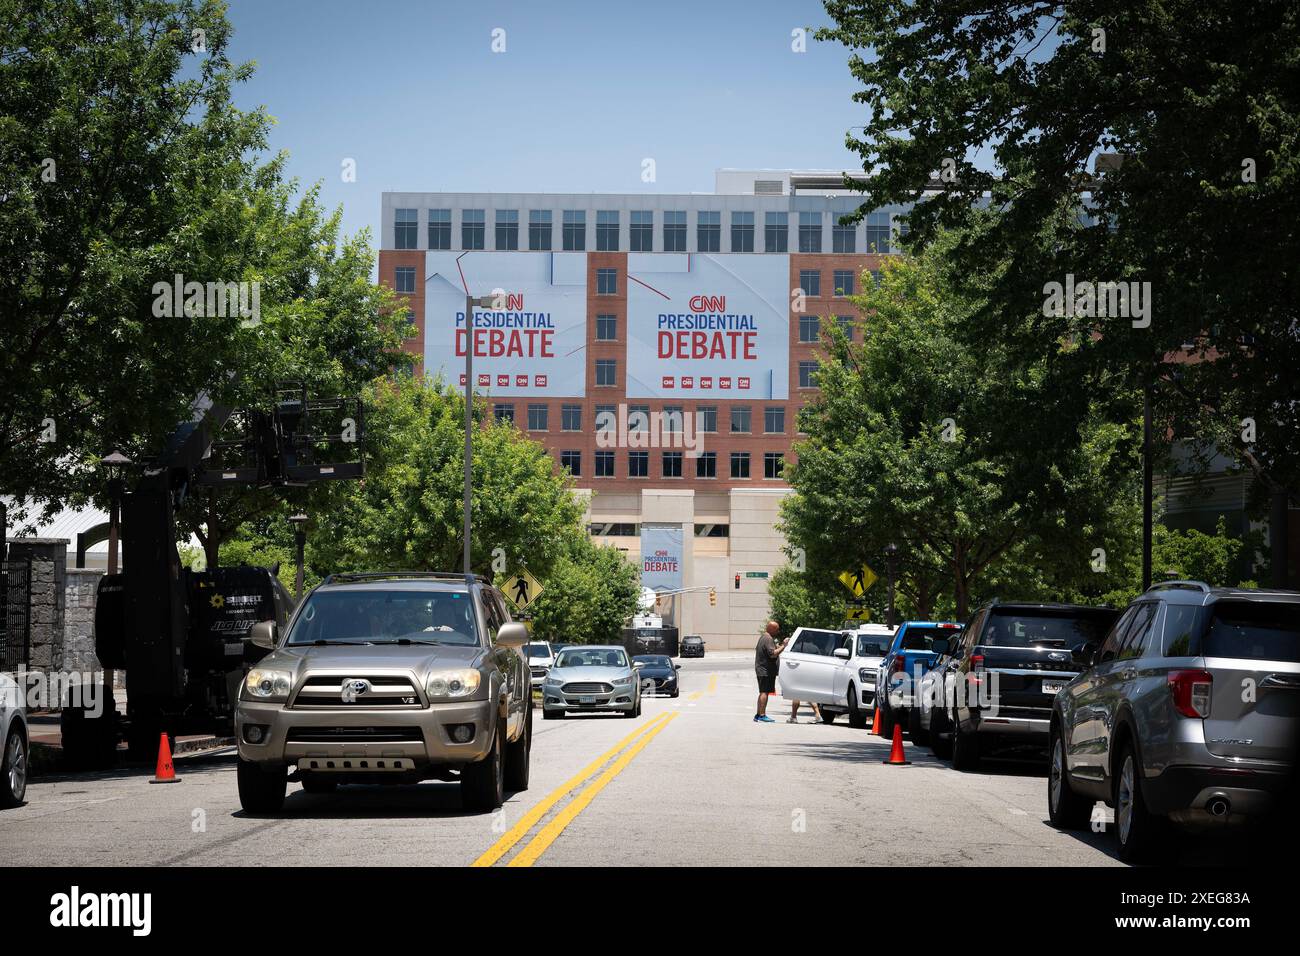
x=584, y=91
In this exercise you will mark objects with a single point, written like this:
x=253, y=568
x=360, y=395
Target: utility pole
x=483, y=302
x=891, y=554
x=1146, y=487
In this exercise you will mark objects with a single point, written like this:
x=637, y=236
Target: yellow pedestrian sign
x=522, y=589
x=857, y=614
x=859, y=581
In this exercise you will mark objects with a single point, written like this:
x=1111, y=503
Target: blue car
x=908, y=658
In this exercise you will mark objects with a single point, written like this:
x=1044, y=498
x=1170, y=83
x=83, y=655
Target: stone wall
x=49, y=562
x=79, y=620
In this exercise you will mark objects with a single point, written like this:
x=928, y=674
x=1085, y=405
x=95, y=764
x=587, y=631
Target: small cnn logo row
x=706, y=381
x=503, y=381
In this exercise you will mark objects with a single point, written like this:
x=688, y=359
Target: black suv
x=1000, y=679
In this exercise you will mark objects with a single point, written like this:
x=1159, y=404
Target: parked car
x=908, y=657
x=541, y=656
x=1187, y=713
x=1008, y=665
x=692, y=646
x=13, y=732
x=834, y=669
x=394, y=678
x=658, y=674
x=591, y=679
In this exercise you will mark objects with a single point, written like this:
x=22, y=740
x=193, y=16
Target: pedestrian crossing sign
x=859, y=581
x=521, y=589
x=857, y=614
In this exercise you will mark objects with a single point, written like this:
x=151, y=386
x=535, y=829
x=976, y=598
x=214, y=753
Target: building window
x=810, y=232
x=406, y=228
x=875, y=277
x=844, y=238
x=713, y=531
x=606, y=328
x=810, y=328
x=708, y=231
x=810, y=281
x=706, y=465
x=575, y=230
x=472, y=228
x=571, y=460
x=742, y=232
x=607, y=230
x=638, y=464
x=606, y=418
x=439, y=228
x=638, y=418
x=606, y=282
x=706, y=418
x=740, y=419
x=504, y=413
x=740, y=464
x=776, y=232
x=808, y=374
x=507, y=229
x=604, y=464
x=878, y=239
x=615, y=529
x=843, y=280
x=673, y=418
x=412, y=330
x=404, y=279
x=675, y=231
x=774, y=420
x=846, y=324
x=672, y=464
x=537, y=417
x=606, y=371
x=641, y=237
x=571, y=418
x=539, y=230
x=773, y=464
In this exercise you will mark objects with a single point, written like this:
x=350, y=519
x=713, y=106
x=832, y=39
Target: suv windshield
x=922, y=638
x=1018, y=627
x=1258, y=630
x=593, y=657
x=872, y=646
x=537, y=650
x=377, y=616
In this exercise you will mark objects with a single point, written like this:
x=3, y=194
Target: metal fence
x=16, y=621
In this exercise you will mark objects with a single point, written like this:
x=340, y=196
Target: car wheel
x=886, y=718
x=857, y=719
x=13, y=768
x=260, y=791
x=965, y=749
x=517, y=757
x=1065, y=808
x=482, y=784
x=940, y=741
x=675, y=693
x=1137, y=831
x=918, y=733
x=315, y=784
x=828, y=716
x=552, y=714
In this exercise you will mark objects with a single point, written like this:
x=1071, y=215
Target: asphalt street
x=694, y=781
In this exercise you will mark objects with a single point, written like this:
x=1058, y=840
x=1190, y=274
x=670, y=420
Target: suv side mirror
x=842, y=653
x=263, y=634
x=638, y=663
x=513, y=635
x=939, y=646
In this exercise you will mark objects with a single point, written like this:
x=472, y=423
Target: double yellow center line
x=548, y=834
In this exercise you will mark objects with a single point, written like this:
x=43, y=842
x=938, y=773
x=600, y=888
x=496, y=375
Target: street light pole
x=1146, y=487
x=113, y=463
x=299, y=522
x=484, y=302
x=891, y=552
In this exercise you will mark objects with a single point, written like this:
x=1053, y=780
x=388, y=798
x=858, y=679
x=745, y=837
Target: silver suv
x=388, y=678
x=1187, y=713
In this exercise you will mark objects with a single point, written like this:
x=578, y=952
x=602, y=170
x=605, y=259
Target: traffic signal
x=713, y=597
x=737, y=580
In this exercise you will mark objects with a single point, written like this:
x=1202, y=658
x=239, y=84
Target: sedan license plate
x=586, y=700
x=1052, y=686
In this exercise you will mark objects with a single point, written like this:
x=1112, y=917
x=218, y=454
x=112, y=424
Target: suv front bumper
x=419, y=737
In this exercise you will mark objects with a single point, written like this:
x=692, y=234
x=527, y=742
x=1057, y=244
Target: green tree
x=588, y=596
x=797, y=599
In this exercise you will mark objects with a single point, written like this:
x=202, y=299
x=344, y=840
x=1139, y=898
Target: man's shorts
x=767, y=684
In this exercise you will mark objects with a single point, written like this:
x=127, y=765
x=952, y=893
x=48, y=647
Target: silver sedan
x=597, y=678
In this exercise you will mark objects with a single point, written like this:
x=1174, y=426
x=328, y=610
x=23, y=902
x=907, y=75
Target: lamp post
x=299, y=522
x=891, y=553
x=482, y=302
x=113, y=463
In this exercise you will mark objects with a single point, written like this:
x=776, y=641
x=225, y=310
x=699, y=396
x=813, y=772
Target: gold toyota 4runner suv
x=388, y=678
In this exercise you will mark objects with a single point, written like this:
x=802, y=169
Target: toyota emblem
x=354, y=687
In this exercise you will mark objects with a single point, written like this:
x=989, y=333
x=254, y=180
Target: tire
x=828, y=716
x=261, y=791
x=482, y=784
x=13, y=768
x=89, y=743
x=1138, y=834
x=517, y=758
x=322, y=784
x=857, y=718
x=886, y=720
x=676, y=693
x=965, y=749
x=552, y=714
x=941, y=745
x=1065, y=808
x=919, y=734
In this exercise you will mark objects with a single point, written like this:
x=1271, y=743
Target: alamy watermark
x=627, y=428
x=210, y=300
x=49, y=690
x=1115, y=300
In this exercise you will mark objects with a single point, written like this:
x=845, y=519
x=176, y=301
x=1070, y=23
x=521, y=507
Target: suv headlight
x=449, y=685
x=268, y=684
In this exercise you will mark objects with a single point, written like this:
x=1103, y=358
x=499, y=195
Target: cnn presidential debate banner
x=661, y=557
x=533, y=345
x=708, y=326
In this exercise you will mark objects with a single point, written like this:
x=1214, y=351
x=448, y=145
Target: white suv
x=541, y=658
x=835, y=669
x=13, y=732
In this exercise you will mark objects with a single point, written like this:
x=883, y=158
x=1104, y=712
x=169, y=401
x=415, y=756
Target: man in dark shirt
x=766, y=660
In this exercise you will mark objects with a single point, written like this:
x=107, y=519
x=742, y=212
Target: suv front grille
x=353, y=735
x=387, y=690
x=581, y=688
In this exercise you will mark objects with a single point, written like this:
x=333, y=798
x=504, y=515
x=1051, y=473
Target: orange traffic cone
x=165, y=773
x=896, y=758
x=875, y=722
